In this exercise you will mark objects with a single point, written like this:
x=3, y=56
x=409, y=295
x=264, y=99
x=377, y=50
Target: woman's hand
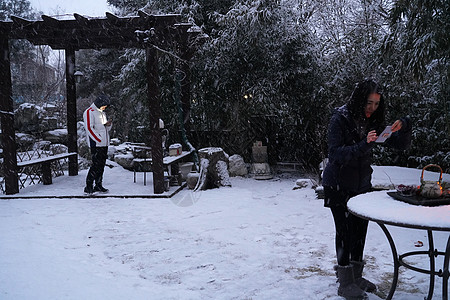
x=371, y=136
x=396, y=126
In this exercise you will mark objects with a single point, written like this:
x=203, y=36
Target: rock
x=80, y=129
x=112, y=152
x=49, y=123
x=115, y=142
x=32, y=118
x=42, y=145
x=125, y=160
x=83, y=149
x=58, y=148
x=304, y=183
x=57, y=136
x=27, y=117
x=141, y=153
x=237, y=166
x=24, y=141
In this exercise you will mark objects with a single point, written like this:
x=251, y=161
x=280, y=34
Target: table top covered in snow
x=380, y=207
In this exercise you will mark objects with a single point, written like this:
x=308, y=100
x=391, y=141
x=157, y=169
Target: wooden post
x=186, y=95
x=7, y=121
x=71, y=93
x=46, y=173
x=154, y=107
x=186, y=53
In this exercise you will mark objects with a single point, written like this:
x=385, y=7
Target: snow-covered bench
x=44, y=163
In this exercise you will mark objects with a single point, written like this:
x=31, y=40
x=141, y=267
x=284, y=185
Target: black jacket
x=350, y=156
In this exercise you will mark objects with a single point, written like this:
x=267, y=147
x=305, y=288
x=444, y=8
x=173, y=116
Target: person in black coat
x=352, y=132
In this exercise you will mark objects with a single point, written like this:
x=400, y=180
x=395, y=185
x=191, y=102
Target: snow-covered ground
x=255, y=240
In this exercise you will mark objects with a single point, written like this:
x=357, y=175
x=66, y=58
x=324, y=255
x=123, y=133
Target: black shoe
x=101, y=189
x=89, y=190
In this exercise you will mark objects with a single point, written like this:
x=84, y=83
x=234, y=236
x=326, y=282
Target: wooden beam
x=86, y=33
x=49, y=21
x=113, y=19
x=154, y=107
x=143, y=14
x=21, y=22
x=83, y=21
x=71, y=111
x=7, y=121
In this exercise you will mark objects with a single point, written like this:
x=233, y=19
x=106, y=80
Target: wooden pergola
x=150, y=32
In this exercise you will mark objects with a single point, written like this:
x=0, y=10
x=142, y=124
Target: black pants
x=351, y=230
x=99, y=156
x=351, y=234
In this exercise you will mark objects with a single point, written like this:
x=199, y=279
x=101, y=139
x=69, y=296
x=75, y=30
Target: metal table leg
x=432, y=254
x=445, y=272
x=395, y=258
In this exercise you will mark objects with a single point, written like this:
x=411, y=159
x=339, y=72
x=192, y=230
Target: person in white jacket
x=97, y=133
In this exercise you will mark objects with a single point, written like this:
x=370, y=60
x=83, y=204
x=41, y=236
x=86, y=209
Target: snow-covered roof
x=82, y=32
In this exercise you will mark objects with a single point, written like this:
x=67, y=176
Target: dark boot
x=347, y=287
x=363, y=283
x=88, y=189
x=100, y=188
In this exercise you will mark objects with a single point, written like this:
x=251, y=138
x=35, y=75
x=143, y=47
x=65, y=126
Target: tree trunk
x=214, y=171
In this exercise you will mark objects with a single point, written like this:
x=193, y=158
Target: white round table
x=383, y=209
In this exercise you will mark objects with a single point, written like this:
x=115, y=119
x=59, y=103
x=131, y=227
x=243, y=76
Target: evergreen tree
x=289, y=63
x=417, y=62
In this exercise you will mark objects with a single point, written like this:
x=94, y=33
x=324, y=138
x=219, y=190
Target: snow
x=254, y=240
x=58, y=132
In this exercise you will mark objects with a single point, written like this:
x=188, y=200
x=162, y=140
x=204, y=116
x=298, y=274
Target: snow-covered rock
x=58, y=148
x=237, y=166
x=125, y=160
x=115, y=142
x=24, y=140
x=304, y=183
x=57, y=136
x=42, y=145
x=112, y=152
x=27, y=117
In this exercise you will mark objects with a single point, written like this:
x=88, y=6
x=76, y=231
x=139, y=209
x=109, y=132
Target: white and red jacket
x=94, y=123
